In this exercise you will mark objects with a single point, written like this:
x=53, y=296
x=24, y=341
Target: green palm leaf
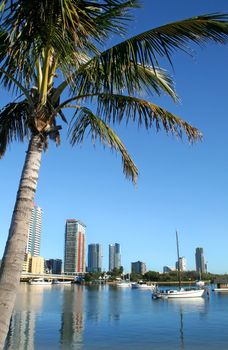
x=119, y=108
x=153, y=81
x=121, y=60
x=86, y=121
x=14, y=124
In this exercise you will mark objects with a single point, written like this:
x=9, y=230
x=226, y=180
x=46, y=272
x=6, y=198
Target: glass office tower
x=114, y=256
x=94, y=258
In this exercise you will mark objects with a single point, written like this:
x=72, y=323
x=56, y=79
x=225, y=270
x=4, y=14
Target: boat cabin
x=222, y=284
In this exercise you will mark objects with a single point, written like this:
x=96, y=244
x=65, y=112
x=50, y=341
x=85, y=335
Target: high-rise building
x=94, y=258
x=182, y=264
x=114, y=256
x=74, y=255
x=200, y=264
x=33, y=242
x=138, y=267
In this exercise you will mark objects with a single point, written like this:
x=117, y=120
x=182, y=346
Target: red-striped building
x=74, y=255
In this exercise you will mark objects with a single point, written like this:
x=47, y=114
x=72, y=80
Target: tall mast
x=178, y=261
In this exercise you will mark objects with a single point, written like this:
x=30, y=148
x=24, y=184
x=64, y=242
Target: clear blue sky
x=180, y=186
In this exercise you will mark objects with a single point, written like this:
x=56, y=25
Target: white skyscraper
x=182, y=264
x=33, y=243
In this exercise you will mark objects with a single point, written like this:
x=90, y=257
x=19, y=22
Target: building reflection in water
x=72, y=319
x=115, y=304
x=96, y=302
x=23, y=321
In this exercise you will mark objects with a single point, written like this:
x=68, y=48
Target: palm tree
x=50, y=48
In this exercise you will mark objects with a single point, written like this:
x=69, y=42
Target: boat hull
x=224, y=290
x=142, y=286
x=179, y=294
x=41, y=283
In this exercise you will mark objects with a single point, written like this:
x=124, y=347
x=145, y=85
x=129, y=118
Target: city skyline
x=180, y=186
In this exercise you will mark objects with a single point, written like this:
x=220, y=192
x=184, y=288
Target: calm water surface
x=105, y=317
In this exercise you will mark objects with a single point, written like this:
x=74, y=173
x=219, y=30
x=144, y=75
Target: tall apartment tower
x=200, y=264
x=33, y=242
x=94, y=258
x=138, y=267
x=182, y=264
x=114, y=256
x=74, y=254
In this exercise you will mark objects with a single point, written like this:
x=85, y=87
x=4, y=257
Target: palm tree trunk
x=13, y=258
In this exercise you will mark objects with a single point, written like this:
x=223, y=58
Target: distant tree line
x=152, y=276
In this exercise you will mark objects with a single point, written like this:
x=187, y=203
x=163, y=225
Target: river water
x=107, y=317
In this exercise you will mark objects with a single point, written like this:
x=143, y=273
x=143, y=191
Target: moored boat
x=178, y=293
x=61, y=282
x=40, y=281
x=123, y=284
x=222, y=286
x=141, y=285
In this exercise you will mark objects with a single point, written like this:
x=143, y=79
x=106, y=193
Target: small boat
x=180, y=292
x=61, y=282
x=40, y=281
x=141, y=285
x=123, y=284
x=222, y=286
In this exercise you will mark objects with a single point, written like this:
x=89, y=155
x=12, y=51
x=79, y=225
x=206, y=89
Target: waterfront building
x=36, y=265
x=34, y=234
x=181, y=264
x=33, y=264
x=138, y=267
x=74, y=254
x=53, y=266
x=200, y=262
x=94, y=258
x=114, y=256
x=168, y=269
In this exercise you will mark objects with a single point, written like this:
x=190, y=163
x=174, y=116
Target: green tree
x=152, y=276
x=53, y=48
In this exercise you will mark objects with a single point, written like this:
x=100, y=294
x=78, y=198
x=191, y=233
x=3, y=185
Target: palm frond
x=114, y=16
x=121, y=61
x=152, y=80
x=85, y=121
x=14, y=124
x=119, y=108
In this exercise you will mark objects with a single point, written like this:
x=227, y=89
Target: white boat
x=40, y=281
x=123, y=284
x=141, y=285
x=180, y=292
x=61, y=282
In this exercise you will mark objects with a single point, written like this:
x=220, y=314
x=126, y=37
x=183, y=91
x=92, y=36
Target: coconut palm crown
x=50, y=46
x=50, y=49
